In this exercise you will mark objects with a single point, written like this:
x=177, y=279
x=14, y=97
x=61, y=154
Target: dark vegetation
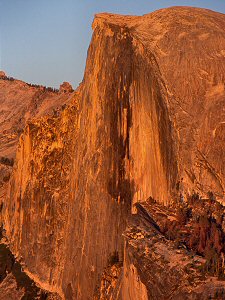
x=113, y=259
x=199, y=228
x=7, y=161
x=46, y=89
x=7, y=78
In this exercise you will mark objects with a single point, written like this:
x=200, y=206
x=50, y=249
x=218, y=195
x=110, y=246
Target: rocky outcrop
x=2, y=74
x=154, y=268
x=20, y=102
x=148, y=112
x=66, y=87
x=14, y=283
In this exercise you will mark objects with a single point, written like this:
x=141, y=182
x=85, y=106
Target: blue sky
x=46, y=41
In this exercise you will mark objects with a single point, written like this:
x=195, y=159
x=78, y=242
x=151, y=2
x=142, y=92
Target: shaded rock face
x=148, y=112
x=190, y=59
x=14, y=283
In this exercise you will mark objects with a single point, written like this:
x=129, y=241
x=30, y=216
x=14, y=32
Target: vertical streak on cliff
x=100, y=186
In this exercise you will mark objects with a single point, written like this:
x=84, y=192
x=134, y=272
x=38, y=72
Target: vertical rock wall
x=77, y=175
x=35, y=217
x=152, y=150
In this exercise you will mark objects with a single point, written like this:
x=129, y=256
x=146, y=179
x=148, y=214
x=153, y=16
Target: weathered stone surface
x=186, y=48
x=66, y=87
x=149, y=111
x=20, y=102
x=155, y=269
x=14, y=283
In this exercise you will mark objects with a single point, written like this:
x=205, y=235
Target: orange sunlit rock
x=106, y=191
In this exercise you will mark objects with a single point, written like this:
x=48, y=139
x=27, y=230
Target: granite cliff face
x=20, y=102
x=150, y=111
